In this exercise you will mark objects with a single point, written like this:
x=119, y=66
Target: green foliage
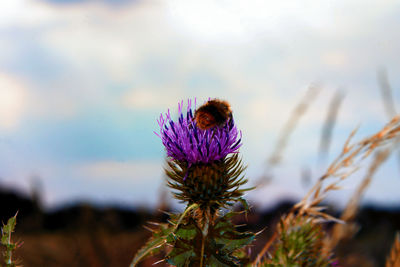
x=154, y=244
x=9, y=246
x=219, y=247
x=299, y=244
x=160, y=235
x=188, y=244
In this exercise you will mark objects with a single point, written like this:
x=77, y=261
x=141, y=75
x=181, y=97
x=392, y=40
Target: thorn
x=166, y=212
x=157, y=262
x=154, y=223
x=259, y=232
x=148, y=228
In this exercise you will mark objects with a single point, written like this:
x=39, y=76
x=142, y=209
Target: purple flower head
x=184, y=141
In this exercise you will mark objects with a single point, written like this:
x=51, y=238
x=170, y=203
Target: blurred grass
x=92, y=236
x=80, y=248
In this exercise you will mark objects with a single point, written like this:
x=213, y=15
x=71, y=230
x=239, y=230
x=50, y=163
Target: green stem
x=204, y=235
x=8, y=252
x=191, y=207
x=9, y=260
x=202, y=251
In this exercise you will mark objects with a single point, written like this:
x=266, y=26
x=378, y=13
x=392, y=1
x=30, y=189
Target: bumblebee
x=214, y=113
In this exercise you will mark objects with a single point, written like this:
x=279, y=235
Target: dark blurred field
x=84, y=235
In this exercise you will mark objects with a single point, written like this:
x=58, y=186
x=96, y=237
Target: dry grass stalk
x=386, y=91
x=393, y=260
x=348, y=229
x=291, y=124
x=330, y=122
x=287, y=131
x=347, y=163
x=387, y=97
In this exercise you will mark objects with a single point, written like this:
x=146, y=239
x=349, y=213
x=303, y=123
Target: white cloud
x=54, y=105
x=237, y=21
x=111, y=41
x=151, y=98
x=13, y=101
x=132, y=170
x=25, y=13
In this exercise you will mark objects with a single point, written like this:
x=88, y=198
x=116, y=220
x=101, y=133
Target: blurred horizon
x=82, y=83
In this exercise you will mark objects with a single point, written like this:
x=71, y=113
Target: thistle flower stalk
x=205, y=172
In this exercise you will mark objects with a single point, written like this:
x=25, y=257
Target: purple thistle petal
x=184, y=141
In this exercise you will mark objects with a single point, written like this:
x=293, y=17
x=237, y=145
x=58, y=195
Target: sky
x=82, y=83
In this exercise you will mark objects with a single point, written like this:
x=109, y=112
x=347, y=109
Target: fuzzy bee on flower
x=214, y=113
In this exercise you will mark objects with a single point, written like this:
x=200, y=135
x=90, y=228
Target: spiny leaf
x=184, y=244
x=216, y=262
x=160, y=238
x=220, y=243
x=181, y=257
x=10, y=226
x=186, y=232
x=7, y=230
x=230, y=239
x=157, y=240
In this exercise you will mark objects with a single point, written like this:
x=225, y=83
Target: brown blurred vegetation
x=85, y=235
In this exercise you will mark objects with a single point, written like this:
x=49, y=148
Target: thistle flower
x=204, y=166
x=184, y=141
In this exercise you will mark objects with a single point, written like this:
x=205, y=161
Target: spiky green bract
x=214, y=185
x=299, y=244
x=220, y=247
x=6, y=232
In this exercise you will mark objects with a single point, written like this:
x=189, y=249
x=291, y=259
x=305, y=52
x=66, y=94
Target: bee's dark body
x=213, y=113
